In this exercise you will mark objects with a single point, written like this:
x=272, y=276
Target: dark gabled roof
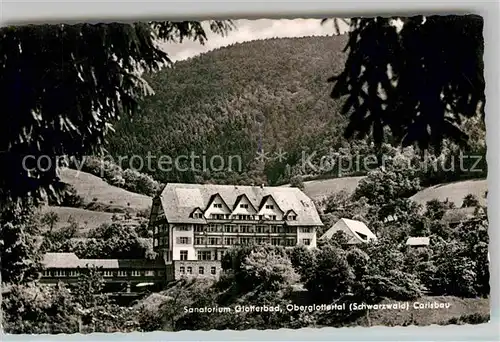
x=289, y=212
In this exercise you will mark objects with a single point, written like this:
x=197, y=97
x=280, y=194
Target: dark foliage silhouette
x=419, y=83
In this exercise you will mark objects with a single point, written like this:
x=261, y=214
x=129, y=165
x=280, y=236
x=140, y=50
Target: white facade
x=200, y=222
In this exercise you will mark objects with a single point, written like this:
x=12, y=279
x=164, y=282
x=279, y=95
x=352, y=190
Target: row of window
x=244, y=206
x=106, y=273
x=215, y=241
x=242, y=217
x=208, y=255
x=233, y=228
x=203, y=255
x=227, y=241
x=201, y=270
x=183, y=240
x=248, y=228
x=162, y=241
x=230, y=241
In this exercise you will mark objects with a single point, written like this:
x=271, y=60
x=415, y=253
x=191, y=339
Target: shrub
x=475, y=318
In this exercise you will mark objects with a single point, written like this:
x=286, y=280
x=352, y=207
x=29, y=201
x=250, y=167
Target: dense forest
x=267, y=95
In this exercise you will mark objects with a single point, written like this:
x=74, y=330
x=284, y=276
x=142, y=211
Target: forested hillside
x=271, y=93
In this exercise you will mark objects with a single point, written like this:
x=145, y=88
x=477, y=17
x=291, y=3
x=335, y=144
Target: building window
x=150, y=273
x=199, y=228
x=189, y=270
x=199, y=241
x=46, y=273
x=245, y=228
x=201, y=270
x=183, y=228
x=306, y=230
x=122, y=273
x=306, y=242
x=204, y=255
x=182, y=270
x=275, y=241
x=183, y=240
x=59, y=273
x=228, y=241
x=227, y=228
x=108, y=273
x=212, y=270
x=184, y=255
x=246, y=241
x=213, y=241
x=217, y=205
x=273, y=217
x=244, y=206
x=136, y=273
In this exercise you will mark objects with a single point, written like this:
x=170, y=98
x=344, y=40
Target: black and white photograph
x=243, y=174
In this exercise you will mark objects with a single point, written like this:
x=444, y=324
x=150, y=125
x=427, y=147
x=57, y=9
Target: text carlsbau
x=321, y=307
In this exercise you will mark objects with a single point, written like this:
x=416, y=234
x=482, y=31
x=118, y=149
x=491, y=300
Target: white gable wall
x=270, y=212
x=213, y=209
x=239, y=210
x=340, y=225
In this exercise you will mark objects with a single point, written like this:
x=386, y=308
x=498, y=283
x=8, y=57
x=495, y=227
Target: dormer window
x=291, y=215
x=217, y=205
x=197, y=214
x=269, y=206
x=244, y=206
